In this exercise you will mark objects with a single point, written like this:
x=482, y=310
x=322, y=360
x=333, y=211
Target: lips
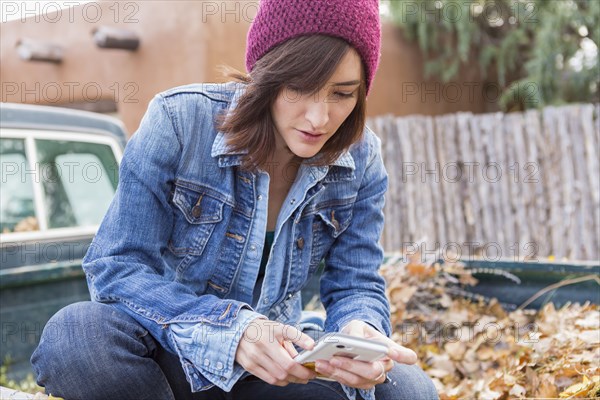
x=316, y=134
x=310, y=138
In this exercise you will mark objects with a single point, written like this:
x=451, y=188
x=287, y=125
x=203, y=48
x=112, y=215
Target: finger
x=298, y=381
x=343, y=376
x=374, y=334
x=381, y=378
x=398, y=353
x=254, y=365
x=268, y=377
x=402, y=355
x=294, y=335
x=276, y=357
x=290, y=349
x=256, y=368
x=388, y=364
x=266, y=363
x=367, y=331
x=285, y=367
x=369, y=371
x=279, y=354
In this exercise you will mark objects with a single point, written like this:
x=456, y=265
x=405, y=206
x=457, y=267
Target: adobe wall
x=183, y=42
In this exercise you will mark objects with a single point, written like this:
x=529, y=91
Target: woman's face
x=297, y=115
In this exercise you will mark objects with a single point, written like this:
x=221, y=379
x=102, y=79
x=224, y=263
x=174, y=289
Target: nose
x=317, y=112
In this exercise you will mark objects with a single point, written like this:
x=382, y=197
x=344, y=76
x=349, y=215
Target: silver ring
x=382, y=372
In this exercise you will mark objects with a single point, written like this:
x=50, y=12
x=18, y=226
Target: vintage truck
x=59, y=174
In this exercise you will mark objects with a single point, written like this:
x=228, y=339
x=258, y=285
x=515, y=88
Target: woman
x=229, y=198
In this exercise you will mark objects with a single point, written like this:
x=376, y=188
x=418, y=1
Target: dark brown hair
x=305, y=62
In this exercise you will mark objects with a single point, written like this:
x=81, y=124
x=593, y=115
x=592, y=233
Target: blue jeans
x=92, y=350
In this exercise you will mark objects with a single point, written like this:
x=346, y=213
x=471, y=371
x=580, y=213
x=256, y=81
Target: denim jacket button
x=300, y=243
x=196, y=211
x=259, y=197
x=206, y=362
x=219, y=365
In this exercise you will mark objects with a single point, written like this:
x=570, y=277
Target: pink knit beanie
x=356, y=21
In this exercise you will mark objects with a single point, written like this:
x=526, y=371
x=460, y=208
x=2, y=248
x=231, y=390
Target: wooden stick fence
x=518, y=185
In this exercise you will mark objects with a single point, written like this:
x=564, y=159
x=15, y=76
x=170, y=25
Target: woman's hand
x=266, y=350
x=361, y=374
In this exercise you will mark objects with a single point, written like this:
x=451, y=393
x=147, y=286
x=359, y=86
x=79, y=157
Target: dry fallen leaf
x=591, y=320
x=475, y=349
x=585, y=388
x=517, y=391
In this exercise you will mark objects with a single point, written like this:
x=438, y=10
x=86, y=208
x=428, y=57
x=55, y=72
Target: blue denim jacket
x=180, y=246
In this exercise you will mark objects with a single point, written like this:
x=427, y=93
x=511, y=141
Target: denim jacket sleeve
x=211, y=349
x=124, y=264
x=351, y=286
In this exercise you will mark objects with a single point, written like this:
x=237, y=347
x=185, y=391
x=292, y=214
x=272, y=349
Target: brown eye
x=344, y=95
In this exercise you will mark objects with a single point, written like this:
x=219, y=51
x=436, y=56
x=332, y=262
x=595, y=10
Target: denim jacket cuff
x=366, y=394
x=212, y=349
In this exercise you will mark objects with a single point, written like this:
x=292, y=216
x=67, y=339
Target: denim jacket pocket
x=328, y=223
x=196, y=213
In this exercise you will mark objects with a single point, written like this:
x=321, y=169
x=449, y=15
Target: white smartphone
x=341, y=345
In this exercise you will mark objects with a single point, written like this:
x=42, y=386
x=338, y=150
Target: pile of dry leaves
x=475, y=349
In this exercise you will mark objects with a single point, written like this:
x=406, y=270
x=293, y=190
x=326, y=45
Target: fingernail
x=407, y=355
x=319, y=366
x=413, y=357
